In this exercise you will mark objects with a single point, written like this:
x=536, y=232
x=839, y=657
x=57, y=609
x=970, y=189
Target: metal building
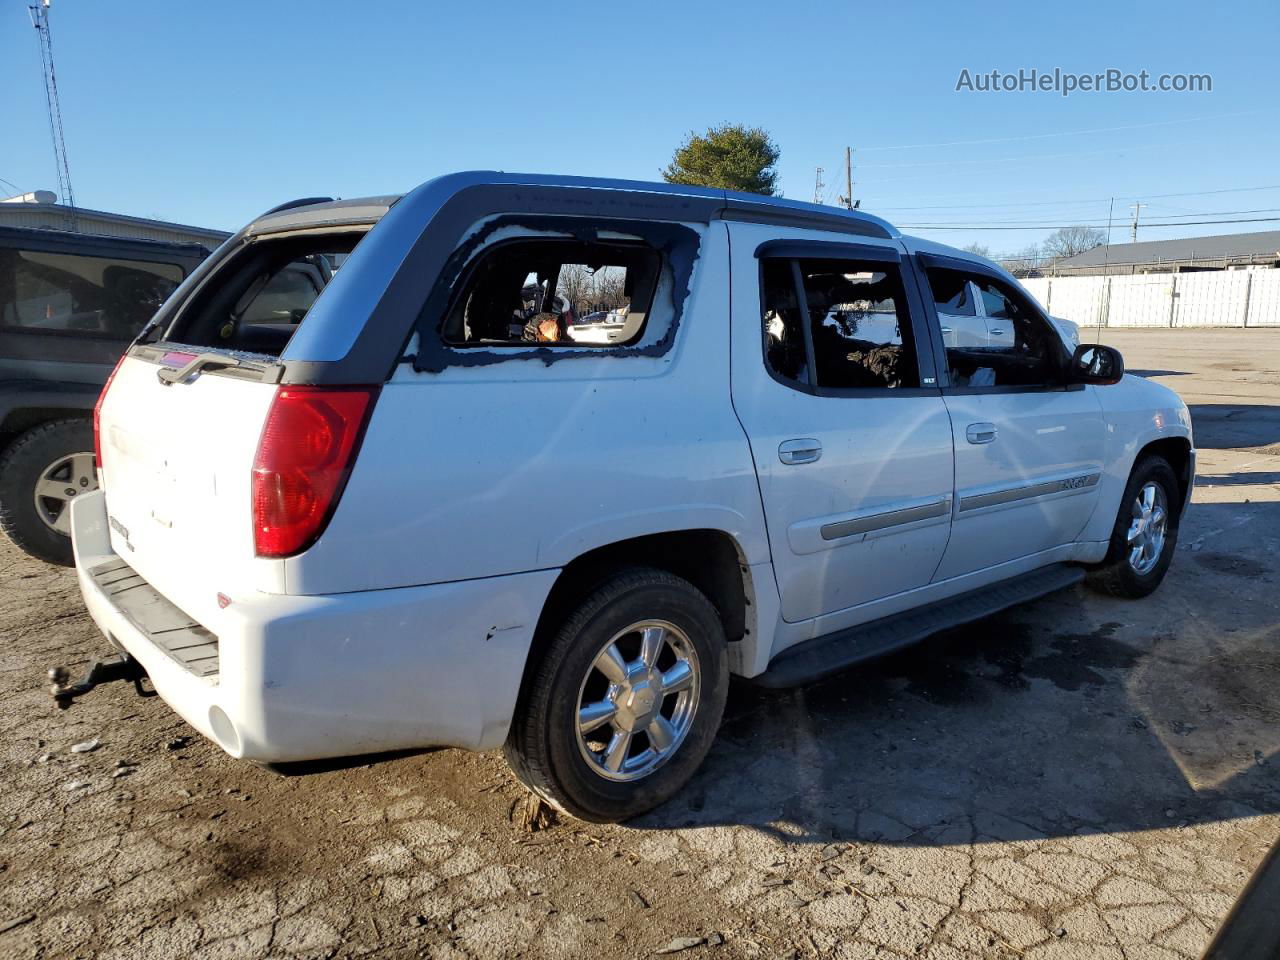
x=40, y=210
x=1187, y=255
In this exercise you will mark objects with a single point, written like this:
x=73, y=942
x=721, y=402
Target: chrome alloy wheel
x=638, y=700
x=1147, y=529
x=61, y=482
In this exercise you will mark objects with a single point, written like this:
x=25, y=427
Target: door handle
x=997, y=331
x=980, y=432
x=806, y=450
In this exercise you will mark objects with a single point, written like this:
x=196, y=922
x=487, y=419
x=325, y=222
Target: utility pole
x=818, y=186
x=1105, y=307
x=847, y=199
x=39, y=12
x=1133, y=230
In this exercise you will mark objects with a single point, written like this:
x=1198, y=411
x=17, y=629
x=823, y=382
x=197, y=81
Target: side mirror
x=1094, y=363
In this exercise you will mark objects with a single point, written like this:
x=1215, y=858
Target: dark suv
x=69, y=305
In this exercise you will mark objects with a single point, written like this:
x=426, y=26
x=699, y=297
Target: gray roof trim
x=736, y=206
x=754, y=208
x=361, y=210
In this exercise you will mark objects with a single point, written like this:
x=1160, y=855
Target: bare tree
x=1068, y=241
x=575, y=285
x=1025, y=263
x=608, y=287
x=980, y=249
x=588, y=289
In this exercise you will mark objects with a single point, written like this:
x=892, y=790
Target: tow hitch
x=104, y=670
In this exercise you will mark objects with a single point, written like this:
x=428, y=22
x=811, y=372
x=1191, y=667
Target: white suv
x=420, y=512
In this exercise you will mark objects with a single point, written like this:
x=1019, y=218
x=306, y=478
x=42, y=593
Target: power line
x=1051, y=203
x=1066, y=133
x=1150, y=217
x=1058, y=226
x=1025, y=156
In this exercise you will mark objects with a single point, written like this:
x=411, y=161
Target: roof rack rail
x=300, y=202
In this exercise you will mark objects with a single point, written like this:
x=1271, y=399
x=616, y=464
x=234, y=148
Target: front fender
x=1138, y=413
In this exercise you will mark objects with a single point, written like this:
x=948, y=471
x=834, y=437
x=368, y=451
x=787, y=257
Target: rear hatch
x=180, y=422
x=176, y=467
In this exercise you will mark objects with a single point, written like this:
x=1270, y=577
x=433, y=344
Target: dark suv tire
x=622, y=706
x=54, y=458
x=1145, y=533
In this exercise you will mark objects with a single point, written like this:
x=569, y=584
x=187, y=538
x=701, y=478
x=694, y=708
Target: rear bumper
x=300, y=678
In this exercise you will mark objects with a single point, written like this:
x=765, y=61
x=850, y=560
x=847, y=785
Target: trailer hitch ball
x=105, y=670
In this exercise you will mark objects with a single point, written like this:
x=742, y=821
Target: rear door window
x=856, y=319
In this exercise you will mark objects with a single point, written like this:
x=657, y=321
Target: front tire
x=1145, y=533
x=41, y=472
x=626, y=700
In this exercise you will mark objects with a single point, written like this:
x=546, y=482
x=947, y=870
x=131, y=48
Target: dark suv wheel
x=41, y=473
x=623, y=705
x=1145, y=533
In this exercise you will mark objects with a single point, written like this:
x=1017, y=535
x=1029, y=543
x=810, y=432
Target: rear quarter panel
x=480, y=471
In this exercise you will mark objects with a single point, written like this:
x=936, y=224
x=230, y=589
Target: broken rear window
x=554, y=292
x=256, y=300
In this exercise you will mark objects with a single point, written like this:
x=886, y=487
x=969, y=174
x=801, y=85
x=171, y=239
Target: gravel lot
x=1081, y=777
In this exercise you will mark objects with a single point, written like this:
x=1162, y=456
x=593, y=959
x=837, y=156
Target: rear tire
x=1145, y=533
x=50, y=456
x=625, y=701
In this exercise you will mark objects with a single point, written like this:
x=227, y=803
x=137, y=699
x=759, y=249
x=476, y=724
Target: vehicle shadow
x=303, y=768
x=1077, y=713
x=1246, y=479
x=1159, y=373
x=1222, y=426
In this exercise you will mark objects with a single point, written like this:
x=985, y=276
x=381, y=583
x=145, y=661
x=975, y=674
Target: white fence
x=1219, y=298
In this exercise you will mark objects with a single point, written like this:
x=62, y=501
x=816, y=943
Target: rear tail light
x=304, y=457
x=97, y=415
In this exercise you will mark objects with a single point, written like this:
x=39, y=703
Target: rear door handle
x=980, y=432
x=806, y=450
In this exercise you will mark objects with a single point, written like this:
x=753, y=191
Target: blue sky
x=208, y=113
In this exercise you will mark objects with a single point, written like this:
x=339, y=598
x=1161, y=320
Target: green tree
x=730, y=156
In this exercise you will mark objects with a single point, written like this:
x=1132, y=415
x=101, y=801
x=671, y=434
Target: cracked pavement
x=1081, y=777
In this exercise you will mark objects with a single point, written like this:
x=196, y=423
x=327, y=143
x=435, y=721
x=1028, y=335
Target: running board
x=822, y=656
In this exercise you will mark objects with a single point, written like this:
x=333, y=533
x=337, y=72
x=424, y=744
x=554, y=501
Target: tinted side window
x=1017, y=347
x=951, y=293
x=857, y=326
x=70, y=293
